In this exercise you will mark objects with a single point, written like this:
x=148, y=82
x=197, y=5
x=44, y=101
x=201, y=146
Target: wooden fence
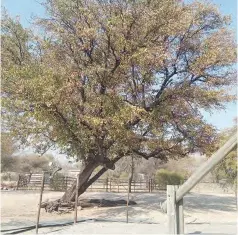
x=121, y=186
x=33, y=182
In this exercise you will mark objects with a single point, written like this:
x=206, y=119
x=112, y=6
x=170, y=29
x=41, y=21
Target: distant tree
x=8, y=147
x=35, y=163
x=102, y=80
x=226, y=171
x=164, y=177
x=185, y=166
x=149, y=167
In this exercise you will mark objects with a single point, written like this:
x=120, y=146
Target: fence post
x=29, y=179
x=66, y=183
x=204, y=169
x=174, y=211
x=40, y=200
x=127, y=204
x=76, y=201
x=110, y=184
x=180, y=217
x=107, y=184
x=18, y=181
x=171, y=209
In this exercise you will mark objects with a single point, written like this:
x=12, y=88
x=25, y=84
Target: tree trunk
x=85, y=182
x=69, y=195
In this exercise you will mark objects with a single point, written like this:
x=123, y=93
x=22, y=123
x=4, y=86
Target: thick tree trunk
x=85, y=181
x=69, y=195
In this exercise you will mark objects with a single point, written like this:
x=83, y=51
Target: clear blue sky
x=26, y=8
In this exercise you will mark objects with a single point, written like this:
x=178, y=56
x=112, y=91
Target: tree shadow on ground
x=150, y=203
x=146, y=203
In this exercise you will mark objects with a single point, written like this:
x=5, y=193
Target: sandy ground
x=204, y=213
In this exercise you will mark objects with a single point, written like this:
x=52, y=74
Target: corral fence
x=62, y=183
x=33, y=182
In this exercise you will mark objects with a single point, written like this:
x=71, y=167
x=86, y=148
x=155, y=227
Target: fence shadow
x=208, y=202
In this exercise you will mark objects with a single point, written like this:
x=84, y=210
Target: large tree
x=101, y=80
x=8, y=147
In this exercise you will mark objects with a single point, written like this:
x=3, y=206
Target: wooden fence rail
x=174, y=203
x=33, y=182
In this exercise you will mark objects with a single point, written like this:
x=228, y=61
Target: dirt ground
x=19, y=208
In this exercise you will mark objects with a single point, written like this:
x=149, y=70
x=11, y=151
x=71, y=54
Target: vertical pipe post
x=18, y=181
x=180, y=217
x=40, y=200
x=110, y=185
x=76, y=201
x=107, y=184
x=174, y=211
x=171, y=209
x=127, y=204
x=66, y=183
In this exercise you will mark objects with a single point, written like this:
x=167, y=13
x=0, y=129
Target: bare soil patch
x=20, y=207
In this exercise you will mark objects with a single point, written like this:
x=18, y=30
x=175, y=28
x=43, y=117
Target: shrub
x=9, y=176
x=34, y=163
x=165, y=177
x=58, y=183
x=124, y=175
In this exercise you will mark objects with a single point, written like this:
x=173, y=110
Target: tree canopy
x=104, y=79
x=8, y=148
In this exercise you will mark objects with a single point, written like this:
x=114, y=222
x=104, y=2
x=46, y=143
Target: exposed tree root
x=83, y=203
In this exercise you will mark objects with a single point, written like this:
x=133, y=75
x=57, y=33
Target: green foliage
x=33, y=163
x=16, y=163
x=58, y=182
x=8, y=161
x=226, y=171
x=165, y=177
x=124, y=175
x=9, y=176
x=101, y=80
